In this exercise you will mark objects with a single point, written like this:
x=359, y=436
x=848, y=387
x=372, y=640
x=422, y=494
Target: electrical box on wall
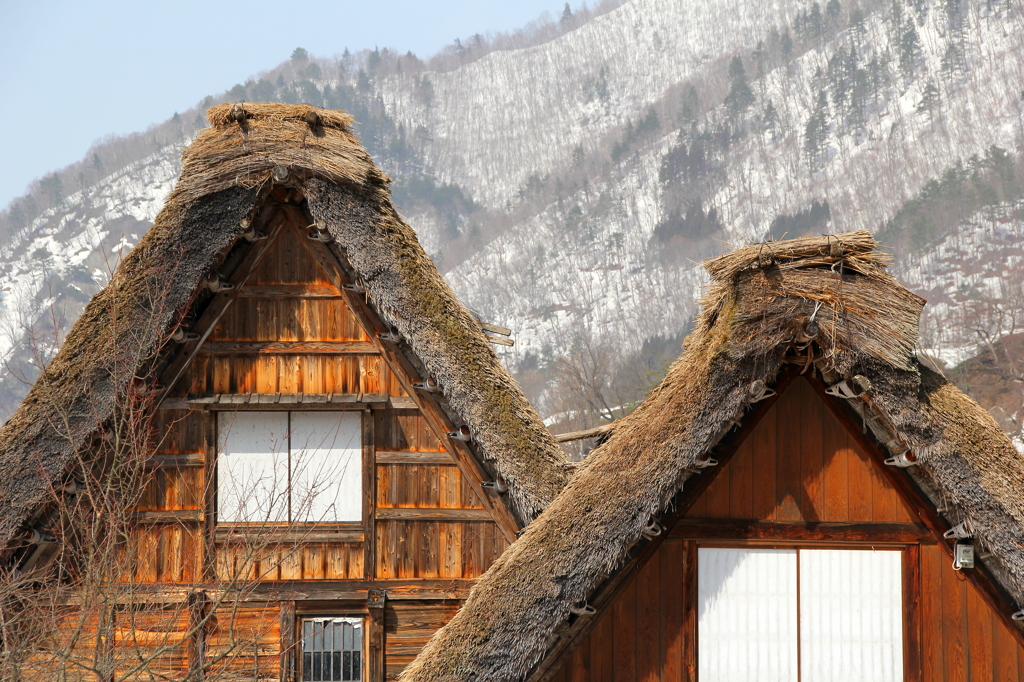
x=963, y=556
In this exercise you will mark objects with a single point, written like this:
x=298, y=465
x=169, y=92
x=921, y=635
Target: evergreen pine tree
x=299, y=55
x=929, y=100
x=740, y=96
x=816, y=131
x=786, y=46
x=566, y=14
x=910, y=51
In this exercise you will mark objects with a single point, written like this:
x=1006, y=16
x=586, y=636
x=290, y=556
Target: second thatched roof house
x=801, y=498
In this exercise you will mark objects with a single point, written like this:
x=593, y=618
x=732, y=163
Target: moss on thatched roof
x=829, y=294
x=227, y=172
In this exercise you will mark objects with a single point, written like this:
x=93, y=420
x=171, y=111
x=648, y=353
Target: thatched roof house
x=257, y=162
x=821, y=306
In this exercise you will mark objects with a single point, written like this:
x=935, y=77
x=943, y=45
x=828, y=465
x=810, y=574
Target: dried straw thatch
x=226, y=173
x=830, y=294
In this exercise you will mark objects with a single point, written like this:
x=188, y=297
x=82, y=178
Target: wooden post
x=369, y=496
x=913, y=670
x=198, y=610
x=288, y=668
x=375, y=603
x=689, y=611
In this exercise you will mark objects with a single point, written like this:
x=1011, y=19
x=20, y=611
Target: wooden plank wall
x=408, y=626
x=800, y=464
x=639, y=637
x=963, y=640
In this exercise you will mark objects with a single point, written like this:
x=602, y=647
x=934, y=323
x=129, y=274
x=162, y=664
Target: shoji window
x=299, y=467
x=332, y=649
x=799, y=615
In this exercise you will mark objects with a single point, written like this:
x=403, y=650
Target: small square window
x=332, y=649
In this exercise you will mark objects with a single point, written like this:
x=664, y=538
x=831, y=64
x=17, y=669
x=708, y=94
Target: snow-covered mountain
x=570, y=188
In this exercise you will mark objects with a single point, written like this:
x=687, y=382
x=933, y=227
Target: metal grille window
x=332, y=649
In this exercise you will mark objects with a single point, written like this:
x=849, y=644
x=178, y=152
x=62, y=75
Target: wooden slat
x=690, y=606
x=289, y=291
x=376, y=632
x=671, y=600
x=648, y=622
x=288, y=347
x=289, y=401
x=827, y=531
x=428, y=458
x=420, y=514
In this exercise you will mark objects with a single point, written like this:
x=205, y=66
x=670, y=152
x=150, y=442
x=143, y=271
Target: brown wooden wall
x=799, y=465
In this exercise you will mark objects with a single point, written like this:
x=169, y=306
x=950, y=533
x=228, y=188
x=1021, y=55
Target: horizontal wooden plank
x=499, y=340
x=169, y=516
x=169, y=461
x=739, y=529
x=288, y=291
x=279, y=401
x=298, y=590
x=289, y=347
x=422, y=514
x=292, y=534
x=388, y=457
x=495, y=329
x=402, y=402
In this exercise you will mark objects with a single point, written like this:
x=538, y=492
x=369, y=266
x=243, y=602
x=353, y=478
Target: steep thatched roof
x=226, y=174
x=830, y=294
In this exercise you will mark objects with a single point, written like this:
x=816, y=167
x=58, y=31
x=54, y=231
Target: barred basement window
x=332, y=649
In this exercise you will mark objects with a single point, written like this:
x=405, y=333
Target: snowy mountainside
x=54, y=266
x=498, y=120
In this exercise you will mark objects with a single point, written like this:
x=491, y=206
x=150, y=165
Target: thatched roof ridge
x=863, y=322
x=225, y=174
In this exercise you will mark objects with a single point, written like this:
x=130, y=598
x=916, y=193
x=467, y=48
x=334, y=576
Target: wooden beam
x=814, y=531
x=274, y=219
x=289, y=291
x=913, y=669
x=376, y=634
x=198, y=611
x=586, y=433
x=169, y=516
x=369, y=496
x=426, y=458
x=176, y=461
x=690, y=607
x=470, y=465
x=296, y=590
x=280, y=401
x=288, y=348
x=604, y=595
x=991, y=591
x=432, y=514
x=288, y=641
x=226, y=533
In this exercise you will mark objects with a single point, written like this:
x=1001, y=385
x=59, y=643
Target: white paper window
x=747, y=616
x=299, y=467
x=332, y=649
x=807, y=615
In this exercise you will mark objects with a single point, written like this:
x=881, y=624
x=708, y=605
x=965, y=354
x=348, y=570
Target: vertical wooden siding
x=800, y=464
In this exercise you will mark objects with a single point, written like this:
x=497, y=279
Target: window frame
x=324, y=614
x=295, y=531
x=910, y=588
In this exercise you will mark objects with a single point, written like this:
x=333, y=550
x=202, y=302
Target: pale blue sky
x=73, y=72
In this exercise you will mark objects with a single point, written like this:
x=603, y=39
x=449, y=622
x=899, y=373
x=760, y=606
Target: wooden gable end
x=799, y=479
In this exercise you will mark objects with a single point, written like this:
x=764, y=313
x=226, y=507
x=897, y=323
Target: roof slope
x=763, y=302
x=226, y=172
